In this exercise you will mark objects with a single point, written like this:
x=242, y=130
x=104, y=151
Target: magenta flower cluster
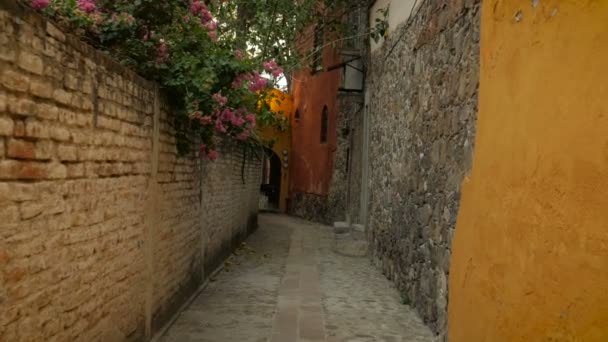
x=273, y=68
x=87, y=6
x=40, y=4
x=199, y=9
x=224, y=120
x=254, y=81
x=208, y=152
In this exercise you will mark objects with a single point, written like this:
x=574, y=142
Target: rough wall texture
x=530, y=259
x=104, y=229
x=347, y=173
x=341, y=203
x=334, y=205
x=423, y=103
x=324, y=180
x=313, y=160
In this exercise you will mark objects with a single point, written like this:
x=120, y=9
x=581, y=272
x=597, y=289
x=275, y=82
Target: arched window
x=297, y=116
x=324, y=124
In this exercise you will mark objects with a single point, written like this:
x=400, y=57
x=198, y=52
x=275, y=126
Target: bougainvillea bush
x=216, y=88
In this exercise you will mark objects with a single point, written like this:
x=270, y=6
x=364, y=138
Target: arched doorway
x=271, y=183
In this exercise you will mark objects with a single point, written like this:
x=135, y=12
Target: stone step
x=341, y=227
x=351, y=247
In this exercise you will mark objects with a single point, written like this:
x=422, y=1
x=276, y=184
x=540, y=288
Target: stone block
x=41, y=89
x=6, y=126
x=9, y=214
x=30, y=62
x=67, y=152
x=7, y=55
x=14, y=80
x=23, y=107
x=59, y=133
x=26, y=170
x=54, y=32
x=62, y=96
x=21, y=149
x=341, y=227
x=36, y=129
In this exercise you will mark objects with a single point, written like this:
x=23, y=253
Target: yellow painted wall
x=530, y=252
x=284, y=107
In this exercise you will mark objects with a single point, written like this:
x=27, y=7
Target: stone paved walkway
x=287, y=285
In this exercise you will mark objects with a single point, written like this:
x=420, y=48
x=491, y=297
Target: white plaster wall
x=398, y=13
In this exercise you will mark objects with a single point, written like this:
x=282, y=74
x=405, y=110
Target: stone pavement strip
x=287, y=284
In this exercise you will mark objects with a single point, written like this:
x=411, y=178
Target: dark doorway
x=271, y=185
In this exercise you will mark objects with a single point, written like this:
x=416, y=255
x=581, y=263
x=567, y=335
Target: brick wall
x=423, y=106
x=104, y=228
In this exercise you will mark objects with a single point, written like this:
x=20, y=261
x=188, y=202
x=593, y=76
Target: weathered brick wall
x=423, y=104
x=104, y=228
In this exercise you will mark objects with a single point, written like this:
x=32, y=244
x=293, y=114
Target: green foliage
x=380, y=29
x=212, y=68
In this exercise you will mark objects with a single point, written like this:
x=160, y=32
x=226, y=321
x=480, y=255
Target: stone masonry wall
x=104, y=229
x=423, y=84
x=335, y=205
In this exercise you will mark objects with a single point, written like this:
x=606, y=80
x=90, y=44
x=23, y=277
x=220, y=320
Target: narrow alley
x=311, y=170
x=287, y=284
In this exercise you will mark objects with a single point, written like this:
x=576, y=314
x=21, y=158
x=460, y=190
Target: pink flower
x=212, y=155
x=87, y=6
x=277, y=72
x=258, y=84
x=238, y=81
x=40, y=4
x=220, y=99
x=238, y=54
x=238, y=121
x=212, y=35
x=206, y=16
x=252, y=121
x=130, y=19
x=196, y=7
x=244, y=135
x=211, y=26
x=219, y=127
x=270, y=65
x=227, y=115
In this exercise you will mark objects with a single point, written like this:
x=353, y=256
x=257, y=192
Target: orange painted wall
x=283, y=107
x=312, y=163
x=530, y=252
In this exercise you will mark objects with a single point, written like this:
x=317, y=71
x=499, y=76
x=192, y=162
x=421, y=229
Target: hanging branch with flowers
x=216, y=70
x=215, y=90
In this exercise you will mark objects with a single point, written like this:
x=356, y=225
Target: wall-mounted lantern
x=353, y=73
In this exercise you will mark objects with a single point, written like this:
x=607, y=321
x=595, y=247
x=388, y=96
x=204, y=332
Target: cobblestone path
x=286, y=284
